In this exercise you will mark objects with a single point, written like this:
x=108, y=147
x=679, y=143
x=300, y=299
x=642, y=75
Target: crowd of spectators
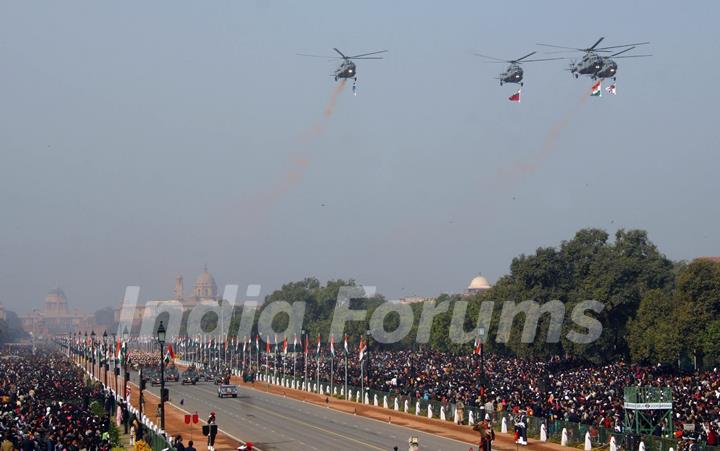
x=557, y=389
x=45, y=404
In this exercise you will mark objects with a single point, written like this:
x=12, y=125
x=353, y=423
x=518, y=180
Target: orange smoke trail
x=522, y=168
x=333, y=98
x=299, y=163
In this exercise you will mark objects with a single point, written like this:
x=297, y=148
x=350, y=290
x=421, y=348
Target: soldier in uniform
x=487, y=435
x=521, y=428
x=211, y=435
x=460, y=408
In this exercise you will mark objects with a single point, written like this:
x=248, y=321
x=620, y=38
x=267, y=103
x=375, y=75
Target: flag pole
x=332, y=363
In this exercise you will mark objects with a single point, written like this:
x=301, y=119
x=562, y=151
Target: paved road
x=276, y=423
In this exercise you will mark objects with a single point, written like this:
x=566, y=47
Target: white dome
x=479, y=283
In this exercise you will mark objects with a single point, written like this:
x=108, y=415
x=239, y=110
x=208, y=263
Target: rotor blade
x=368, y=58
x=621, y=46
x=491, y=58
x=341, y=53
x=560, y=47
x=542, y=59
x=366, y=54
x=318, y=56
x=529, y=54
x=598, y=42
x=562, y=51
x=633, y=56
x=622, y=51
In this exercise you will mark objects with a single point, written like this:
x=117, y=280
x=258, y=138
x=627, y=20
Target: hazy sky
x=141, y=139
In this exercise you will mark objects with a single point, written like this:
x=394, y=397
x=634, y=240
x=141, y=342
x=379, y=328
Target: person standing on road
x=179, y=444
x=212, y=431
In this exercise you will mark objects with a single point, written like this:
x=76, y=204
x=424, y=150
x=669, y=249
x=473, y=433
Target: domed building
x=55, y=317
x=56, y=303
x=477, y=285
x=205, y=287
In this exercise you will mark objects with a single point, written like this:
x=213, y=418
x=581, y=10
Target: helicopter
x=513, y=73
x=347, y=68
x=594, y=64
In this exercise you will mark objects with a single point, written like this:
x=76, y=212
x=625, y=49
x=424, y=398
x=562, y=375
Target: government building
x=55, y=317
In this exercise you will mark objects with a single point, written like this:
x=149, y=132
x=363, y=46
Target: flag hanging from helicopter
x=515, y=97
x=354, y=89
x=597, y=89
x=611, y=89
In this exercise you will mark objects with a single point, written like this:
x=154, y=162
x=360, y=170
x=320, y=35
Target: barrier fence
x=575, y=432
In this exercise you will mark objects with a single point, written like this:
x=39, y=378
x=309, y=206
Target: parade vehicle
x=172, y=374
x=190, y=377
x=227, y=391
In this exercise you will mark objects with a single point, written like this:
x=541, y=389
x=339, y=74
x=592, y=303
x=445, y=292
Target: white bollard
x=588, y=443
x=455, y=418
x=367, y=399
x=335, y=391
x=342, y=391
x=503, y=426
x=385, y=403
x=429, y=410
x=564, y=437
x=642, y=446
x=375, y=401
x=396, y=405
x=471, y=418
x=417, y=407
x=613, y=445
x=357, y=396
x=407, y=406
x=442, y=413
x=543, y=433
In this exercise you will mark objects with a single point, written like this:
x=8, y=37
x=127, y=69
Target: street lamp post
x=161, y=340
x=481, y=338
x=106, y=364
x=85, y=353
x=305, y=356
x=126, y=373
x=115, y=360
x=92, y=338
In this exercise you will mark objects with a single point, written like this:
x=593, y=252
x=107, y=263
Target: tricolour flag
x=307, y=344
x=244, y=343
x=477, y=348
x=611, y=89
x=267, y=345
x=285, y=346
x=597, y=89
x=332, y=345
x=363, y=346
x=347, y=350
x=317, y=352
x=257, y=342
x=515, y=97
x=170, y=354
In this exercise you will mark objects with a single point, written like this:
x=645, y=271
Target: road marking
x=327, y=431
x=188, y=413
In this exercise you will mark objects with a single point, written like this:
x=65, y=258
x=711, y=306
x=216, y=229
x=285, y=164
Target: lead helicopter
x=593, y=63
x=347, y=68
x=513, y=73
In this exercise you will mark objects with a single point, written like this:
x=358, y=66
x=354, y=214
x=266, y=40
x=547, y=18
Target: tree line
x=655, y=310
